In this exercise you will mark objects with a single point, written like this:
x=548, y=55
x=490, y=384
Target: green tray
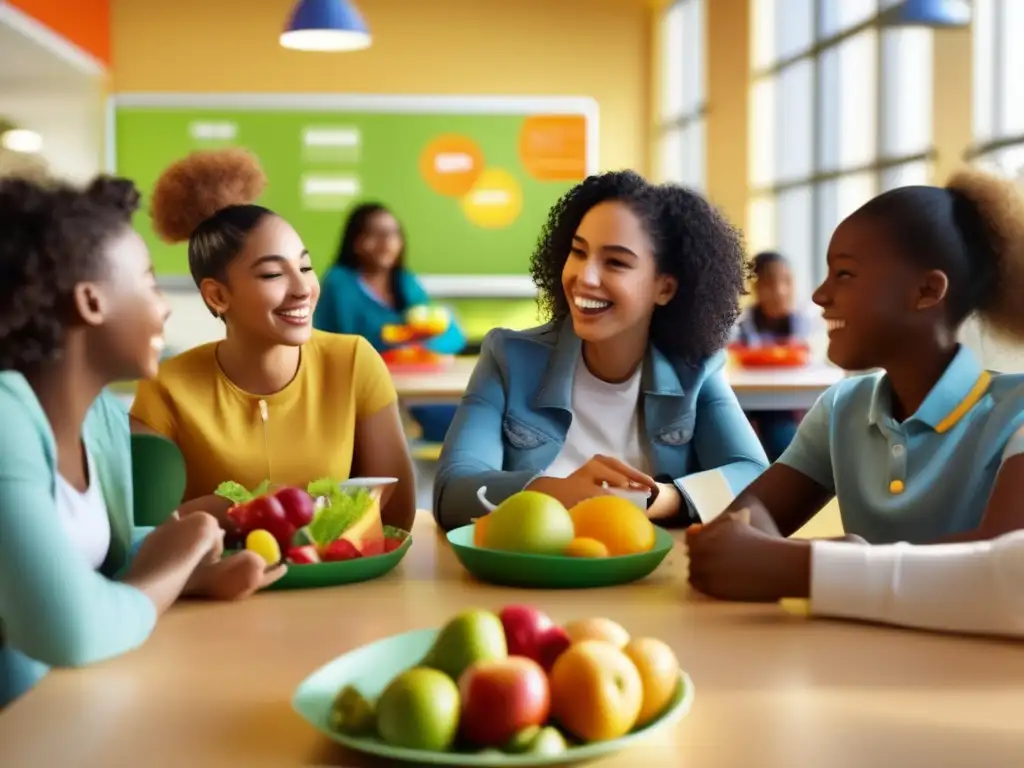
x=371, y=667
x=318, y=575
x=515, y=569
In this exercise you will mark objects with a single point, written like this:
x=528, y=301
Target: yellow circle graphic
x=495, y=200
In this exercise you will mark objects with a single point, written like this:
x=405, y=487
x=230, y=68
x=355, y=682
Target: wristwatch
x=686, y=516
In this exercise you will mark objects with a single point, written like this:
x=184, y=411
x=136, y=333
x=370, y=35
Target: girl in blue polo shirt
x=926, y=450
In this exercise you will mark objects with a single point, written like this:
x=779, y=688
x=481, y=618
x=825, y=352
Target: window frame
x=883, y=162
x=689, y=118
x=988, y=149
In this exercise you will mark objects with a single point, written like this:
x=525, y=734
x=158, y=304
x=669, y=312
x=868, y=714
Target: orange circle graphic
x=451, y=164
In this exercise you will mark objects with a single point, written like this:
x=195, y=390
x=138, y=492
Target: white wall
x=69, y=118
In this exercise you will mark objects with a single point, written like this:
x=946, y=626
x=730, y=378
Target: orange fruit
x=596, y=691
x=581, y=546
x=659, y=673
x=479, y=531
x=617, y=523
x=597, y=628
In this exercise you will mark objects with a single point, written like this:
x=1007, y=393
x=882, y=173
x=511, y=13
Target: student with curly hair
x=928, y=450
x=275, y=400
x=623, y=388
x=79, y=309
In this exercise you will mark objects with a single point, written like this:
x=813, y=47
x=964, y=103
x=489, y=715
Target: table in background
x=212, y=687
x=761, y=389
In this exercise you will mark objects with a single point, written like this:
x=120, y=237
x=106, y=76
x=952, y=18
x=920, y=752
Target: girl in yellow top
x=275, y=400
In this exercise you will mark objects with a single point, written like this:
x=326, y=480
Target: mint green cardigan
x=56, y=611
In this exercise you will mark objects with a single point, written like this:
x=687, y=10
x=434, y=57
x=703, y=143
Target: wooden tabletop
x=212, y=686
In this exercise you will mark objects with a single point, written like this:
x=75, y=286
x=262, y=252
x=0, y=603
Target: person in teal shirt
x=930, y=448
x=369, y=287
x=79, y=309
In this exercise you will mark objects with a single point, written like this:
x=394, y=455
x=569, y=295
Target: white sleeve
x=976, y=587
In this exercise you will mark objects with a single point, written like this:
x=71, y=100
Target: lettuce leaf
x=390, y=532
x=234, y=492
x=339, y=510
x=237, y=493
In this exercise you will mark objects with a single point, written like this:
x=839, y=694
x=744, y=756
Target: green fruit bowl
x=516, y=569
x=317, y=575
x=371, y=667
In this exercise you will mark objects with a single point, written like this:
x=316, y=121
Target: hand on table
x=594, y=478
x=730, y=559
x=171, y=552
x=233, y=578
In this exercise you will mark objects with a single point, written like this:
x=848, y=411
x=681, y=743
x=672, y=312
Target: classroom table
x=212, y=687
x=758, y=389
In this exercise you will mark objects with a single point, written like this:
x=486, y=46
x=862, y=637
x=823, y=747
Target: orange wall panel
x=85, y=23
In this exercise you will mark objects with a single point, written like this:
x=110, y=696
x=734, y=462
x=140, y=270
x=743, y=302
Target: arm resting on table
x=728, y=452
x=973, y=588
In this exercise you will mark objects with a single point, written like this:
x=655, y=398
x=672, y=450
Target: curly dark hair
x=692, y=241
x=51, y=238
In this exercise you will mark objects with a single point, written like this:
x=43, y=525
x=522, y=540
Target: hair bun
x=194, y=188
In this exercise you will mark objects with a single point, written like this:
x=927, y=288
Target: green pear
x=549, y=741
x=352, y=713
x=471, y=636
x=521, y=741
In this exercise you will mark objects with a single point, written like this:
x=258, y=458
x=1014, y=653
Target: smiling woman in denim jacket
x=623, y=388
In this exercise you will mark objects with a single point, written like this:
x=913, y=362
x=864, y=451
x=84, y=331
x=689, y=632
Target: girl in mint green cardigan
x=79, y=308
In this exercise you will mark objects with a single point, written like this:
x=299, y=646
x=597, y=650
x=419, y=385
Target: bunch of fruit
x=535, y=523
x=516, y=682
x=421, y=322
x=322, y=523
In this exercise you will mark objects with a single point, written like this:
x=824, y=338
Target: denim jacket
x=516, y=411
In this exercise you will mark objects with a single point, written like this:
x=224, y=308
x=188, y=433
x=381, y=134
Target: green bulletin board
x=471, y=179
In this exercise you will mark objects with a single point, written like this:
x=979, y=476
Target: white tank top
x=84, y=517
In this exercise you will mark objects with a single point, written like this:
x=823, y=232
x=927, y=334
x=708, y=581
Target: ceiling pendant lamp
x=928, y=13
x=325, y=25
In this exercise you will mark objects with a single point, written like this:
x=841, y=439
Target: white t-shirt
x=606, y=420
x=84, y=517
x=975, y=587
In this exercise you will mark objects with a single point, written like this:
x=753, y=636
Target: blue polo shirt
x=924, y=478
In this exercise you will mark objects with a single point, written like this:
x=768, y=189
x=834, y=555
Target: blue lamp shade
x=325, y=25
x=928, y=13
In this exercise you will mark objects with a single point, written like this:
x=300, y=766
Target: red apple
x=501, y=697
x=390, y=545
x=298, y=506
x=524, y=628
x=552, y=644
x=267, y=513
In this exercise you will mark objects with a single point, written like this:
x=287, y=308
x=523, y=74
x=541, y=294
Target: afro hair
x=198, y=186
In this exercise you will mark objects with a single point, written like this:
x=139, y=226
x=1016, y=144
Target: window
x=998, y=100
x=840, y=109
x=681, y=115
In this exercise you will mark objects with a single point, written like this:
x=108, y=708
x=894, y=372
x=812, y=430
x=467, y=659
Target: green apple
x=352, y=713
x=419, y=710
x=469, y=637
x=529, y=522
